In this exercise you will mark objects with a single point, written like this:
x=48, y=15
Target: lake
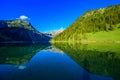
x=60, y=61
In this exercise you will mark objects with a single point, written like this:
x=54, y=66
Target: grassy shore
x=101, y=37
x=104, y=36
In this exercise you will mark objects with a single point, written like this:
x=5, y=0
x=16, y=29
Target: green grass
x=104, y=36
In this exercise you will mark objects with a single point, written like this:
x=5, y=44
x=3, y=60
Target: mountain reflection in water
x=96, y=58
x=46, y=63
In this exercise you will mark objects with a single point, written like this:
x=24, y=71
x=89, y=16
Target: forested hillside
x=103, y=19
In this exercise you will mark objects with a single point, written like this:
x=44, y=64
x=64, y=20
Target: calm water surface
x=60, y=62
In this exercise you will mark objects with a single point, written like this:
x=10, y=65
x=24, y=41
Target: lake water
x=60, y=61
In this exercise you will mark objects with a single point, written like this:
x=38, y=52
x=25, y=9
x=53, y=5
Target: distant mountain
x=54, y=32
x=20, y=31
x=103, y=19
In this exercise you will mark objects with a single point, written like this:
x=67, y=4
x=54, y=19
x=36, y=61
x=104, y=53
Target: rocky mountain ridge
x=20, y=31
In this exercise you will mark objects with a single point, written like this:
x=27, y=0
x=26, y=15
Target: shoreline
x=86, y=41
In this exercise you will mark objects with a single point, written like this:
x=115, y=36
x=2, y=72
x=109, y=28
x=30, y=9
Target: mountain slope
x=20, y=31
x=103, y=19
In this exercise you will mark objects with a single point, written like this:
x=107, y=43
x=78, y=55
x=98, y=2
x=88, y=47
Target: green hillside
x=101, y=21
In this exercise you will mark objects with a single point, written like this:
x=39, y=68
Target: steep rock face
x=20, y=31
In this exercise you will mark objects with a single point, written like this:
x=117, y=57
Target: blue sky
x=47, y=15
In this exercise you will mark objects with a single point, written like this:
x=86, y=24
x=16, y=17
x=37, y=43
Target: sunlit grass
x=104, y=36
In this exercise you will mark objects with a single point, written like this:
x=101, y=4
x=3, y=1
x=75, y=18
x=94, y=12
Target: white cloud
x=23, y=17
